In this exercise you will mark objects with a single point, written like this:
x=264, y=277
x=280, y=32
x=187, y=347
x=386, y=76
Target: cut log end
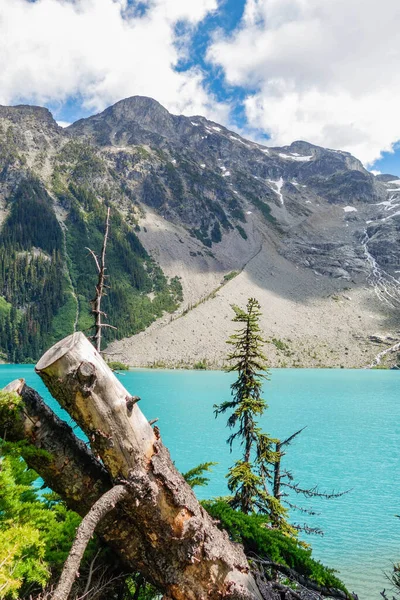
x=15, y=386
x=59, y=350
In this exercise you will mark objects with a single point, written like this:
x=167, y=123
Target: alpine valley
x=201, y=219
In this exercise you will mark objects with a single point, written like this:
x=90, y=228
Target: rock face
x=205, y=202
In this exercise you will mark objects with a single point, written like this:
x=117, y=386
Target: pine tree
x=251, y=477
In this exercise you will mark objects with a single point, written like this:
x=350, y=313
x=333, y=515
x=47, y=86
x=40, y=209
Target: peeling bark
x=178, y=546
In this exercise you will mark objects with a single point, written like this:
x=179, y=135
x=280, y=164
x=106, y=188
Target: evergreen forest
x=47, y=276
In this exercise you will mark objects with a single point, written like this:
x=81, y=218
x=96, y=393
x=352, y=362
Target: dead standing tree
x=96, y=302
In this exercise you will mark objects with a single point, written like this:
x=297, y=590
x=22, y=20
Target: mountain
x=202, y=218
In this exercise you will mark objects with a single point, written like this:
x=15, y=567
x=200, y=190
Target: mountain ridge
x=205, y=202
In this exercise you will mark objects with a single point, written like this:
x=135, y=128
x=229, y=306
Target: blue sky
x=274, y=70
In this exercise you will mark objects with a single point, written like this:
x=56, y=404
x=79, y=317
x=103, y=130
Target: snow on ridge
x=236, y=139
x=349, y=209
x=195, y=124
x=296, y=156
x=225, y=172
x=216, y=128
x=277, y=186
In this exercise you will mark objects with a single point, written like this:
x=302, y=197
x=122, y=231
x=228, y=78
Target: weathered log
x=69, y=468
x=63, y=461
x=183, y=551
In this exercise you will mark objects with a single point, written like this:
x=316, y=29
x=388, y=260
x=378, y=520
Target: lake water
x=352, y=441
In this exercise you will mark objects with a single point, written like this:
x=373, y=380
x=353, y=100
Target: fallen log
x=68, y=467
x=179, y=548
x=63, y=461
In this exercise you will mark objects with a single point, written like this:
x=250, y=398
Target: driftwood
x=177, y=545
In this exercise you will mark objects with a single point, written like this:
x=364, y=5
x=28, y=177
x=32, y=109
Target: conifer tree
x=257, y=480
x=250, y=479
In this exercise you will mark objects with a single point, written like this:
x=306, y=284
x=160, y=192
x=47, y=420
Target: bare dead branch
x=314, y=491
x=85, y=531
x=90, y=575
x=291, y=438
x=96, y=260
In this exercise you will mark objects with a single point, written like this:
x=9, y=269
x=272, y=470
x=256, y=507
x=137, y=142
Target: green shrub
x=254, y=533
x=115, y=365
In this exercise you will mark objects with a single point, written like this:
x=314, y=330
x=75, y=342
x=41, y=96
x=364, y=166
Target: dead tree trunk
x=179, y=547
x=96, y=303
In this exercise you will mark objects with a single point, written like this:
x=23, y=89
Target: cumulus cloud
x=327, y=71
x=101, y=51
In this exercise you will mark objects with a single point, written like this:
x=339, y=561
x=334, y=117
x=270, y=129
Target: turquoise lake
x=352, y=440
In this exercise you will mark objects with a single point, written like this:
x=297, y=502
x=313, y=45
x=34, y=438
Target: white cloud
x=102, y=51
x=327, y=71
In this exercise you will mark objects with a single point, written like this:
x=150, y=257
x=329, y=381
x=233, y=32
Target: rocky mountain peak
x=23, y=113
x=145, y=111
x=122, y=122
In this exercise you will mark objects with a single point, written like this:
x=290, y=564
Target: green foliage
x=78, y=161
x=248, y=361
x=201, y=365
x=195, y=477
x=255, y=533
x=5, y=307
x=216, y=235
x=176, y=288
x=9, y=406
x=115, y=365
x=37, y=304
x=32, y=282
x=35, y=288
x=282, y=346
x=35, y=531
x=263, y=207
x=241, y=231
x=230, y=275
x=62, y=323
x=32, y=221
x=202, y=235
